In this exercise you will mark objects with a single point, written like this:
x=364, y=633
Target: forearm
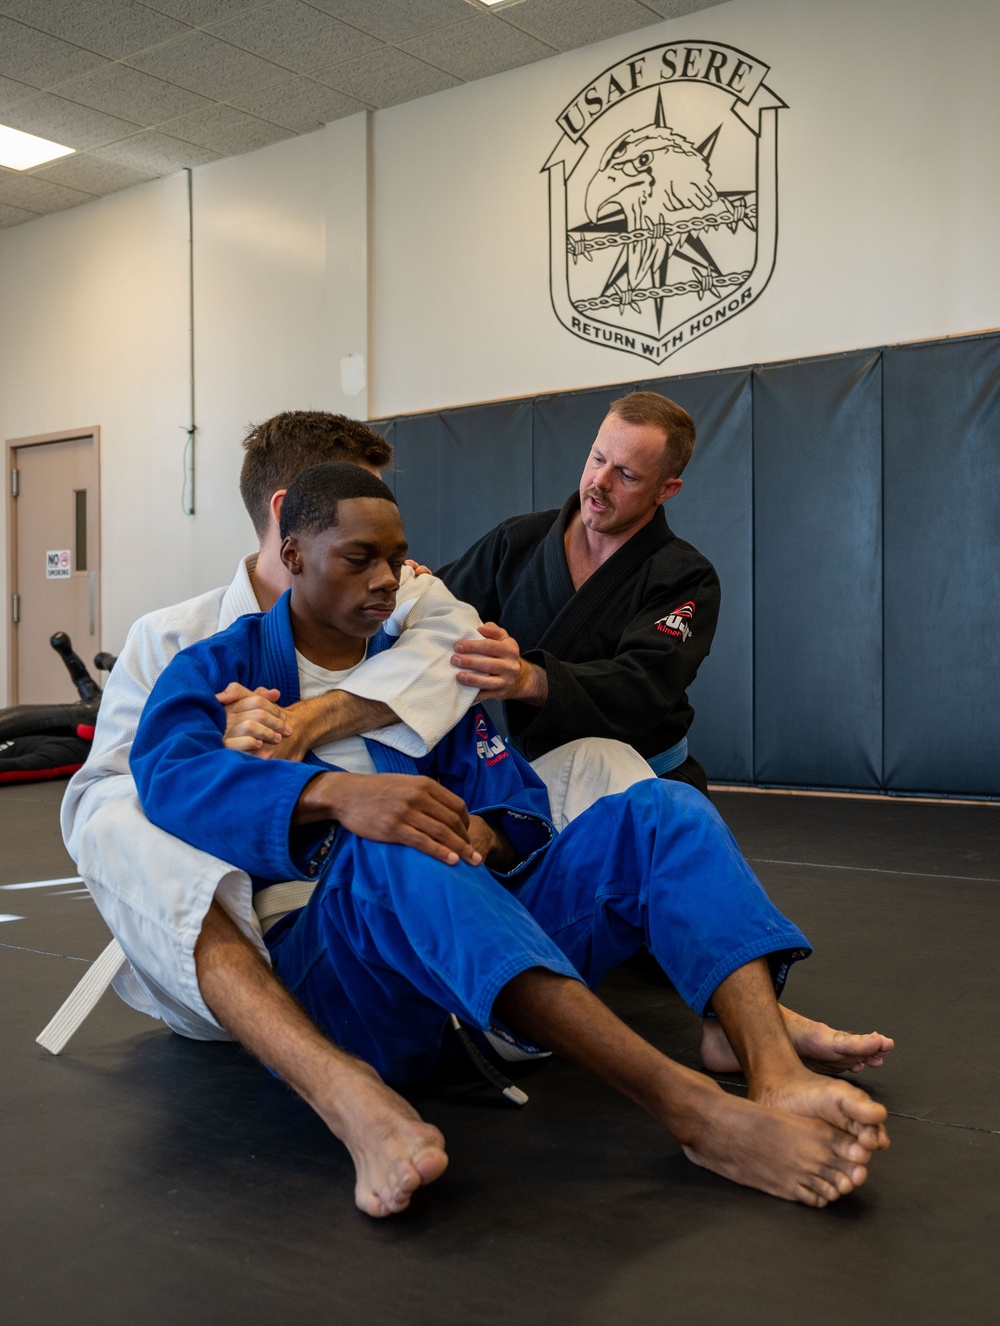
x=409, y=809
x=340, y=714
x=248, y=1000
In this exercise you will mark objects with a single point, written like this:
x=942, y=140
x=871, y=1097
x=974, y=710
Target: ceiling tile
x=395, y=20
x=36, y=58
x=38, y=195
x=156, y=152
x=120, y=90
x=677, y=8
x=480, y=46
x=569, y=24
x=226, y=130
x=11, y=92
x=200, y=13
x=298, y=104
x=110, y=27
x=92, y=175
x=13, y=216
x=386, y=77
x=65, y=122
x=202, y=63
x=294, y=35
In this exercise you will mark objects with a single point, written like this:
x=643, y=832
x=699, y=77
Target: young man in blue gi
x=406, y=925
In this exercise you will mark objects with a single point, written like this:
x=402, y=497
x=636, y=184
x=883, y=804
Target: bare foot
x=821, y=1048
x=393, y=1150
x=839, y=1103
x=792, y=1156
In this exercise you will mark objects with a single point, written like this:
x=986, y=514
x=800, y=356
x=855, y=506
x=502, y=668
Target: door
x=55, y=577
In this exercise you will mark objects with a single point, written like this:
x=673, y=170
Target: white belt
x=80, y=1004
x=277, y=900
x=270, y=904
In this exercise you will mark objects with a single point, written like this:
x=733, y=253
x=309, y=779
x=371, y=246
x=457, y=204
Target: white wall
x=94, y=330
x=280, y=298
x=889, y=190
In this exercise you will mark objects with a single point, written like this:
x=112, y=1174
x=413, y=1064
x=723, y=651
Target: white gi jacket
x=154, y=890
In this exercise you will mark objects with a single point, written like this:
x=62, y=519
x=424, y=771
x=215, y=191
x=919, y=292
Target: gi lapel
x=603, y=586
x=557, y=577
x=277, y=645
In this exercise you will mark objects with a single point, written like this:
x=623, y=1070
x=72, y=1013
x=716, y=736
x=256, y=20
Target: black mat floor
x=145, y=1178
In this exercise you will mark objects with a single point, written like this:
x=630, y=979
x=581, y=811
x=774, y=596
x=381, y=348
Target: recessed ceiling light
x=20, y=151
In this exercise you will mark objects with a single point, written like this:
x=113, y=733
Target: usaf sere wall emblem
x=663, y=203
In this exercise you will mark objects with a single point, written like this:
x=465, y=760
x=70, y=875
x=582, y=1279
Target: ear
x=291, y=555
x=275, y=505
x=670, y=488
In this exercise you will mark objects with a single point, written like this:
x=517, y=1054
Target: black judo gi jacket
x=619, y=652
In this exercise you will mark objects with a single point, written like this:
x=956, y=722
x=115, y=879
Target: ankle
x=685, y=1103
x=774, y=1072
x=339, y=1085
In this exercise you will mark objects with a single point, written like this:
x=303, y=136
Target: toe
x=872, y=1136
x=826, y=1188
x=807, y=1197
x=859, y=1108
x=839, y=1179
x=849, y=1150
x=370, y=1204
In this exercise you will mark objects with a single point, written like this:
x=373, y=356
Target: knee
x=615, y=764
x=408, y=870
x=677, y=803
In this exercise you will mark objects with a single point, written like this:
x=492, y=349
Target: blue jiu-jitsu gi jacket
x=239, y=807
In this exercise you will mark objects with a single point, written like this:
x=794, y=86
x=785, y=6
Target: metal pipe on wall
x=188, y=488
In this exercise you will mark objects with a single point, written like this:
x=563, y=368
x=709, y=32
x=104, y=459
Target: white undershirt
x=348, y=753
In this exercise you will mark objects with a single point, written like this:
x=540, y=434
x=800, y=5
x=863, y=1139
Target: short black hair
x=310, y=505
x=281, y=447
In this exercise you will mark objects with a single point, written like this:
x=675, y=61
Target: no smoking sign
x=57, y=564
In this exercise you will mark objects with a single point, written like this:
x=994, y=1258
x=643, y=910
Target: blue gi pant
x=392, y=941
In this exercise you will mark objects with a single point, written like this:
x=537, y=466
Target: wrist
x=502, y=856
x=533, y=684
x=493, y=847
x=319, y=799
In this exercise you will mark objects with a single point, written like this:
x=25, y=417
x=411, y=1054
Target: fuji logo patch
x=489, y=748
x=677, y=623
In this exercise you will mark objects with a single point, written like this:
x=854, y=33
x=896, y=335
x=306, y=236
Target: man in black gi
x=597, y=615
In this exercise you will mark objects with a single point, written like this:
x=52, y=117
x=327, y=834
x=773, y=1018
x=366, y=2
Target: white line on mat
x=44, y=883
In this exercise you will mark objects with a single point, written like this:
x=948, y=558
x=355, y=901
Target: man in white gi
x=167, y=903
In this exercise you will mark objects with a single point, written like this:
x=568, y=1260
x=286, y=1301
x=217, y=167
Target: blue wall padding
x=818, y=572
x=818, y=486
x=942, y=567
x=418, y=442
x=387, y=428
x=714, y=511
x=565, y=426
x=459, y=473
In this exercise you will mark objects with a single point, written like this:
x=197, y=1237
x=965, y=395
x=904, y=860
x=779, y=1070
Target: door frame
x=11, y=447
